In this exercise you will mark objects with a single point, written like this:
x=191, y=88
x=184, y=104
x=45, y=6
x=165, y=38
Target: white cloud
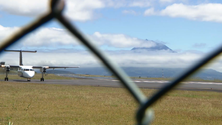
x=24, y=7
x=80, y=10
x=57, y=38
x=166, y=1
x=122, y=58
x=43, y=37
x=202, y=12
x=149, y=12
x=128, y=3
x=199, y=45
x=49, y=37
x=83, y=10
x=155, y=59
x=140, y=3
x=132, y=12
x=6, y=31
x=120, y=41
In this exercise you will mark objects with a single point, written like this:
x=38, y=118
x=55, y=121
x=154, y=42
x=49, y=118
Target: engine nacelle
x=6, y=67
x=2, y=63
x=43, y=69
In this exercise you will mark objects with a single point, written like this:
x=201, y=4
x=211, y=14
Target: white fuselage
x=26, y=71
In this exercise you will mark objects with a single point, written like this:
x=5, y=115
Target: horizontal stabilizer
x=20, y=51
x=28, y=51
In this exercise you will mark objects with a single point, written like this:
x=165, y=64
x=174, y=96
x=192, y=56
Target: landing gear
x=6, y=79
x=28, y=80
x=7, y=71
x=42, y=79
x=43, y=72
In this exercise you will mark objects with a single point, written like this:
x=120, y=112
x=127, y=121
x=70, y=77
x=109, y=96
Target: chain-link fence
x=144, y=114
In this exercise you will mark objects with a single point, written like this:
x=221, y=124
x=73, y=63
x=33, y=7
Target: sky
x=191, y=28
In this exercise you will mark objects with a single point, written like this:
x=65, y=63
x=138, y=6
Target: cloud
x=120, y=41
x=71, y=57
x=49, y=37
x=128, y=3
x=166, y=1
x=149, y=12
x=24, y=7
x=172, y=1
x=140, y=3
x=199, y=45
x=57, y=38
x=5, y=32
x=203, y=12
x=43, y=37
x=80, y=10
x=131, y=12
x=155, y=59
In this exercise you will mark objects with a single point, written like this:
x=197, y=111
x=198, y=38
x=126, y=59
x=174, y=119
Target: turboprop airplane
x=27, y=71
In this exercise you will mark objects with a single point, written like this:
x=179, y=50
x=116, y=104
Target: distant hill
x=158, y=47
x=51, y=71
x=207, y=74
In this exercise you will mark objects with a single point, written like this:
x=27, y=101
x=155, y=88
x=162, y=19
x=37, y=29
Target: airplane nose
x=30, y=74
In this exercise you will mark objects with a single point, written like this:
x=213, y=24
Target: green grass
x=34, y=104
x=161, y=79
x=14, y=75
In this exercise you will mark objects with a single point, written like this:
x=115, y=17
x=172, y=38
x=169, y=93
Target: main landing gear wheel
x=7, y=71
x=6, y=79
x=42, y=79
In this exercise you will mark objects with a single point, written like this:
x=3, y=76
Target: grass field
x=163, y=79
x=34, y=104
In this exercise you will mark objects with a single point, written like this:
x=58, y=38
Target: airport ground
x=87, y=102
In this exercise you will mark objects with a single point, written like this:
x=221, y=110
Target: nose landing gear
x=43, y=72
x=42, y=79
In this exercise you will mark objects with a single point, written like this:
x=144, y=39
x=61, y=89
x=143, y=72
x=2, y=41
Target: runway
x=149, y=84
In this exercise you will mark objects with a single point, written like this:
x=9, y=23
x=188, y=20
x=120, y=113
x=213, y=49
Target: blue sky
x=191, y=28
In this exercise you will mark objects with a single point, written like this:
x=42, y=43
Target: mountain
x=148, y=72
x=157, y=47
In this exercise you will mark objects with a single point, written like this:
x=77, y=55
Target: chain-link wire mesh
x=144, y=114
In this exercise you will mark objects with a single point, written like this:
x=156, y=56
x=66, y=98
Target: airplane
x=27, y=71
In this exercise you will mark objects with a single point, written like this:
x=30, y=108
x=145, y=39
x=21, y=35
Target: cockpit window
x=28, y=69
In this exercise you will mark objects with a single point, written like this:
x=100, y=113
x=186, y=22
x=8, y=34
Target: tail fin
x=20, y=57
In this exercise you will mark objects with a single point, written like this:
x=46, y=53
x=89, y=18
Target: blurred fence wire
x=144, y=114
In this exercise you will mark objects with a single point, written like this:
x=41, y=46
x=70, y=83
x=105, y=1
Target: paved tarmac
x=150, y=84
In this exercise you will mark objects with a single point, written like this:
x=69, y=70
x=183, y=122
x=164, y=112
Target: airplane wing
x=54, y=67
x=12, y=67
x=43, y=68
